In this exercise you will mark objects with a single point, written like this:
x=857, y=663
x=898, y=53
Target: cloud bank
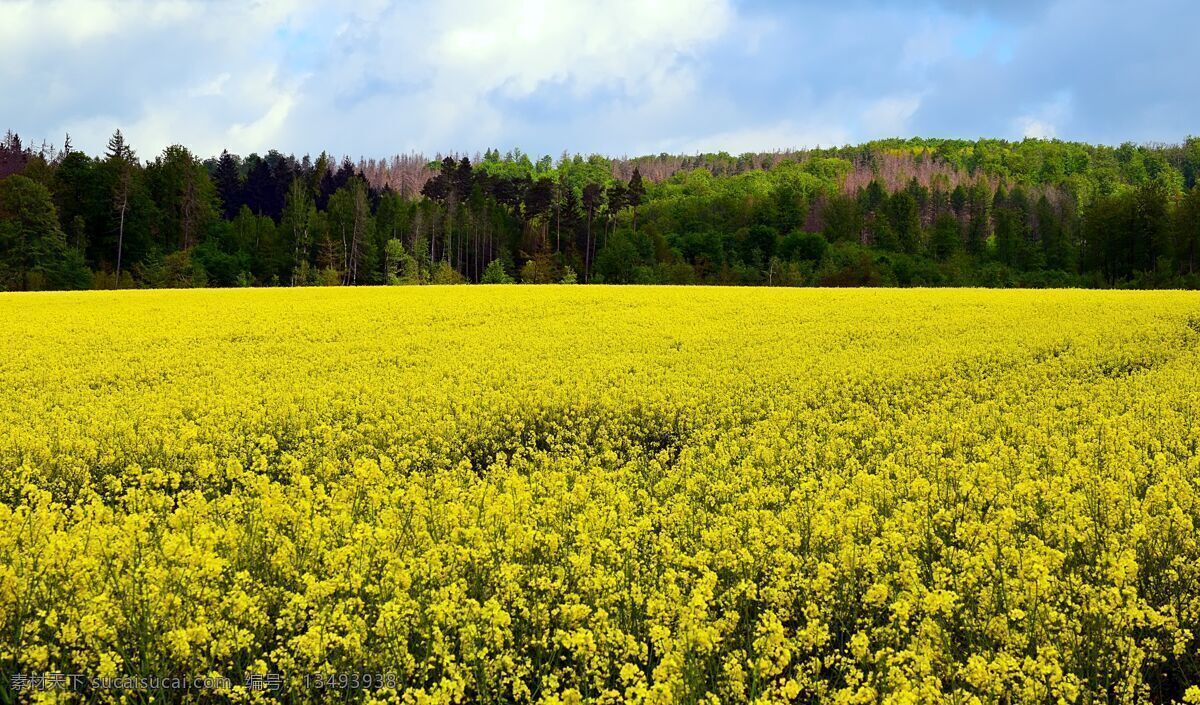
x=617, y=76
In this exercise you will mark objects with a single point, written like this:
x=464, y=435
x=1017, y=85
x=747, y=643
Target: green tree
x=127, y=214
x=495, y=274
x=185, y=195
x=801, y=246
x=636, y=194
x=1186, y=232
x=1150, y=227
x=978, y=206
x=1006, y=236
x=758, y=245
x=33, y=248
x=298, y=225
x=905, y=219
x=351, y=226
x=1052, y=234
x=1106, y=228
x=843, y=219
x=227, y=179
x=541, y=269
x=75, y=197
x=253, y=241
x=443, y=273
x=946, y=237
x=400, y=267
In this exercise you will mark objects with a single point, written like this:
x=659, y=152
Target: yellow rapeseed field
x=591, y=494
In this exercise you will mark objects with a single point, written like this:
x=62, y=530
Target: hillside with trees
x=915, y=212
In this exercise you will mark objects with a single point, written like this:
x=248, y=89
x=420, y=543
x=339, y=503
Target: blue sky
x=378, y=77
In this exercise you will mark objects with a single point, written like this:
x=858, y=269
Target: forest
x=897, y=212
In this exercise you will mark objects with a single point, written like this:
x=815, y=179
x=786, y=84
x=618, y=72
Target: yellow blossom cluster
x=593, y=494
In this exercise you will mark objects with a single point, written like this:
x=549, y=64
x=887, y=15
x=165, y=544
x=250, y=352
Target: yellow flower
x=637, y=494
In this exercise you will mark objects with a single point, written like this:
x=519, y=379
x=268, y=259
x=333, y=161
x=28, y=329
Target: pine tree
x=118, y=149
x=636, y=195
x=593, y=198
x=228, y=180
x=122, y=159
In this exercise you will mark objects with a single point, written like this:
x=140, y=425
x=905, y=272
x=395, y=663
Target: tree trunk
x=448, y=234
x=345, y=256
x=587, y=251
x=121, y=239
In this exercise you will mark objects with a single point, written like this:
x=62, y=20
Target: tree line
x=892, y=212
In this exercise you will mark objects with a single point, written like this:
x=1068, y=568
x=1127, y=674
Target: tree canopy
x=891, y=212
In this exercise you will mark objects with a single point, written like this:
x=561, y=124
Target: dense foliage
x=893, y=212
x=586, y=494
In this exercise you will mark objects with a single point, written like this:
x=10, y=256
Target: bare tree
x=121, y=204
x=122, y=158
x=361, y=213
x=592, y=197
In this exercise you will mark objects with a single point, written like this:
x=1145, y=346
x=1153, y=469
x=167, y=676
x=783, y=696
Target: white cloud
x=209, y=88
x=1038, y=129
x=782, y=135
x=890, y=116
x=1045, y=121
x=377, y=77
x=931, y=42
x=453, y=84
x=518, y=47
x=302, y=74
x=75, y=21
x=162, y=71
